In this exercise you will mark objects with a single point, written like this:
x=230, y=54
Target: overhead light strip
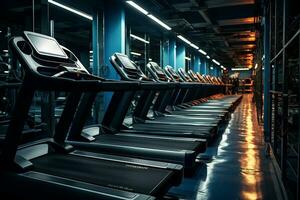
x=240, y=69
x=187, y=58
x=135, y=53
x=75, y=11
x=194, y=46
x=224, y=68
x=139, y=38
x=203, y=52
x=145, y=12
x=184, y=39
x=159, y=22
x=139, y=8
x=216, y=62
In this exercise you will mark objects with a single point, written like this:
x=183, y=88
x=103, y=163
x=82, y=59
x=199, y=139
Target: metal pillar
x=196, y=63
x=172, y=52
x=114, y=37
x=180, y=56
x=95, y=42
x=165, y=52
x=98, y=67
x=47, y=98
x=203, y=65
x=267, y=74
x=169, y=52
x=285, y=75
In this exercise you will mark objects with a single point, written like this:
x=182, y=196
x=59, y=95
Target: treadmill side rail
x=103, y=192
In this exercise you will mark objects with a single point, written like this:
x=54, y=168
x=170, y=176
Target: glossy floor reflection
x=238, y=168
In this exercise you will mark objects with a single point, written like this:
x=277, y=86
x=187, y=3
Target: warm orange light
x=249, y=39
x=250, y=163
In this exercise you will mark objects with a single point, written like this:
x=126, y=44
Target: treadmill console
x=43, y=55
x=127, y=69
x=172, y=74
x=157, y=72
x=200, y=77
x=184, y=75
x=45, y=45
x=193, y=76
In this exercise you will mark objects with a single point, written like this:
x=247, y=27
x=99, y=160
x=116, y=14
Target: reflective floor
x=237, y=168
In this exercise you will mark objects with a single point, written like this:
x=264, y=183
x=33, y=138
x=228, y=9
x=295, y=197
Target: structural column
x=180, y=56
x=169, y=52
x=114, y=37
x=166, y=52
x=196, y=63
x=203, y=66
x=267, y=76
x=172, y=52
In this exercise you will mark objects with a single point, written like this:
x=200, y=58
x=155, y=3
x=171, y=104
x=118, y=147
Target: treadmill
x=49, y=168
x=228, y=102
x=164, y=78
x=233, y=99
x=210, y=101
x=129, y=71
x=214, y=89
x=159, y=75
x=107, y=138
x=220, y=105
x=209, y=90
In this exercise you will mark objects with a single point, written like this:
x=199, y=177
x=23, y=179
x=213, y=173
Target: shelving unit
x=284, y=77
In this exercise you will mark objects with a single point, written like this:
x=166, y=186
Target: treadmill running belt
x=104, y=173
x=162, y=144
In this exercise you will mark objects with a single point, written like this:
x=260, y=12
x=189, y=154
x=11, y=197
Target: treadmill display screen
x=126, y=62
x=46, y=45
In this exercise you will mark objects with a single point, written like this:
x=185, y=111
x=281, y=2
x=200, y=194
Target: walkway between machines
x=238, y=168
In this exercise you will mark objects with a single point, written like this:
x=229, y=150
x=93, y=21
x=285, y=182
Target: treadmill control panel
x=43, y=55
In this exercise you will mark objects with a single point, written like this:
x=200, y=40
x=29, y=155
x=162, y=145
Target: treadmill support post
x=18, y=118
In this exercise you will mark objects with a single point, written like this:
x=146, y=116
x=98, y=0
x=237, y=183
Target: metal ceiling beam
x=228, y=3
x=207, y=19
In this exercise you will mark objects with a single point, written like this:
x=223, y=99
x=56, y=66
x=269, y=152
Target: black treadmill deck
x=105, y=173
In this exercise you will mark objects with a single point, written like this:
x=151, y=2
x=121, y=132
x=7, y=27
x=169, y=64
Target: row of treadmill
x=176, y=116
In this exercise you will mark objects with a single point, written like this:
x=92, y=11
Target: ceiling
x=225, y=29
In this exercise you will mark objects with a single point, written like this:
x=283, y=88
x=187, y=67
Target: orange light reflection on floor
x=250, y=163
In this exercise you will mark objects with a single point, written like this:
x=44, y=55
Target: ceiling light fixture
x=139, y=8
x=135, y=53
x=139, y=38
x=203, y=52
x=184, y=39
x=194, y=46
x=216, y=62
x=159, y=22
x=240, y=69
x=75, y=11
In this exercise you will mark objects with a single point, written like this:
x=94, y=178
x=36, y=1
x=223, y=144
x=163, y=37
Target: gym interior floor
x=238, y=167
